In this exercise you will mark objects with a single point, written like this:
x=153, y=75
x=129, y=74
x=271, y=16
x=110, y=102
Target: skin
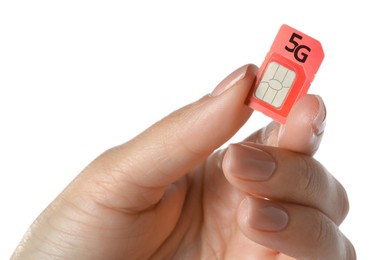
x=167, y=195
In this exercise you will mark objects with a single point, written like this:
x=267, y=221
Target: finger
x=302, y=131
x=297, y=231
x=282, y=175
x=135, y=175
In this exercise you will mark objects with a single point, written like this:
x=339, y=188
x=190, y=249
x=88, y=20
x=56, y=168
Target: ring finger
x=281, y=226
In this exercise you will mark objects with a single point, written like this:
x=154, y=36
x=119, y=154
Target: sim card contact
x=275, y=84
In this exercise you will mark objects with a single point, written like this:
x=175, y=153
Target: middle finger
x=286, y=176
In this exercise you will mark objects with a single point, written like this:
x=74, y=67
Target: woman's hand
x=167, y=195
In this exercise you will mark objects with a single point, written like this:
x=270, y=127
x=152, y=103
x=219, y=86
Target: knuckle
x=309, y=181
x=321, y=189
x=334, y=243
x=351, y=252
x=347, y=250
x=325, y=230
x=343, y=204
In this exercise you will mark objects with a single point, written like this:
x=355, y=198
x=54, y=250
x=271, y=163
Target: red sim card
x=286, y=73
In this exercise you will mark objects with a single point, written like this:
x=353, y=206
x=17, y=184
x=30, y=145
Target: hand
x=163, y=194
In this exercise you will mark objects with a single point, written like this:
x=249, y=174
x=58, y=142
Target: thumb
x=135, y=175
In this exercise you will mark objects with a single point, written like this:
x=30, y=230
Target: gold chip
x=275, y=84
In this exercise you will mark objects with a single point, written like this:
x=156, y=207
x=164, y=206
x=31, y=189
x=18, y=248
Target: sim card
x=286, y=73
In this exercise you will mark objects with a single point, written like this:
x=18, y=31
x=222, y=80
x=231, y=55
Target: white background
x=77, y=77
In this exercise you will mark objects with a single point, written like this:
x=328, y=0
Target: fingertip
x=248, y=163
x=263, y=215
x=246, y=71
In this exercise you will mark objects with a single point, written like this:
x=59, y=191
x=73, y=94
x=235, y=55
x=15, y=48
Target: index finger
x=302, y=131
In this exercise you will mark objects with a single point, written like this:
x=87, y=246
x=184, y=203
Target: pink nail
x=265, y=215
x=250, y=163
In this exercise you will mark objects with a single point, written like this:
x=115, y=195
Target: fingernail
x=230, y=81
x=319, y=122
x=250, y=163
x=265, y=215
